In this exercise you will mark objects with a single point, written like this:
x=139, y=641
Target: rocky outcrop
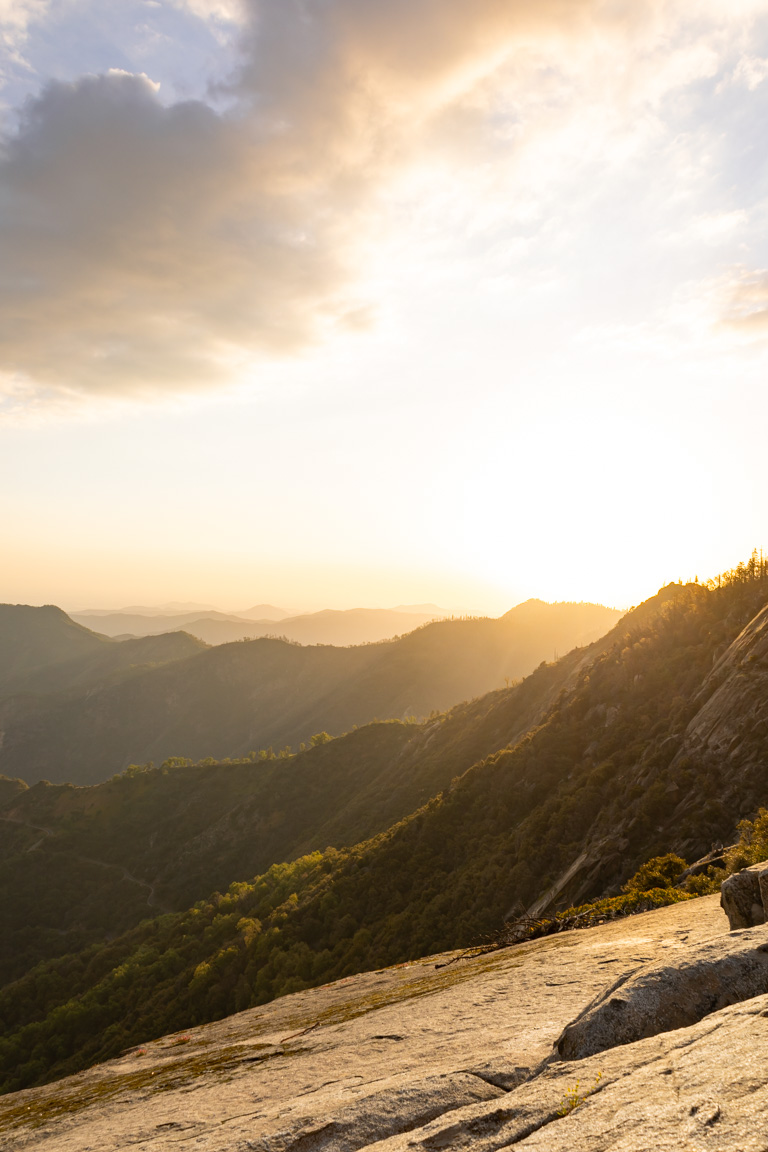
x=732, y=698
x=587, y=864
x=731, y=719
x=457, y=1057
x=744, y=896
x=679, y=993
x=689, y=1090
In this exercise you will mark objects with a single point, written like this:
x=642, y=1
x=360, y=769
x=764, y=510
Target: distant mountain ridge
x=338, y=627
x=172, y=608
x=263, y=612
x=43, y=651
x=329, y=626
x=237, y=698
x=651, y=740
x=32, y=638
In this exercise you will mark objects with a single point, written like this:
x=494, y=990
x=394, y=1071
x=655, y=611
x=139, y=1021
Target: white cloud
x=15, y=18
x=230, y=10
x=751, y=71
x=16, y=14
x=744, y=303
x=148, y=248
x=712, y=228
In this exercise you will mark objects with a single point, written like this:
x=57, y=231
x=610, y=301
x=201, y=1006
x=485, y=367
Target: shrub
x=660, y=872
x=752, y=846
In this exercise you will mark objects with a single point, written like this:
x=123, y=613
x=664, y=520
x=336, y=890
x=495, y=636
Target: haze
x=360, y=303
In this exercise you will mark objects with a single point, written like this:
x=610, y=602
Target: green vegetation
x=263, y=693
x=652, y=886
x=577, y=1095
x=586, y=778
x=612, y=907
x=96, y=861
x=752, y=845
x=750, y=848
x=660, y=872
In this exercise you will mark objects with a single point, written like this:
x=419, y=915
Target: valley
x=383, y=611
x=174, y=895
x=398, y=839
x=83, y=718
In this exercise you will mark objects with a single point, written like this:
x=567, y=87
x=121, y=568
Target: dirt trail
x=152, y=902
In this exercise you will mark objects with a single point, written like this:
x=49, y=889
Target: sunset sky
x=332, y=303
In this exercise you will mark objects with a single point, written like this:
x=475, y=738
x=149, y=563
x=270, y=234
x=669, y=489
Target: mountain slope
x=108, y=663
x=92, y=861
x=571, y=809
x=33, y=638
x=237, y=698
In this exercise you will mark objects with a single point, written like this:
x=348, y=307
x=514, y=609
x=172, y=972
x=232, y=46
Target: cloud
x=231, y=10
x=15, y=18
x=16, y=14
x=750, y=71
x=745, y=304
x=148, y=248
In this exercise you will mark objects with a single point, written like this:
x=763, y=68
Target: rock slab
x=453, y=1058
x=676, y=994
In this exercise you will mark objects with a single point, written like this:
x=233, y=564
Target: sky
x=338, y=303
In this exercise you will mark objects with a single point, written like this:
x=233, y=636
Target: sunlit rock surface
x=451, y=1057
x=744, y=895
x=675, y=993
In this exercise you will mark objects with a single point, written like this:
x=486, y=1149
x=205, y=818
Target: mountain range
x=84, y=718
x=330, y=626
x=176, y=895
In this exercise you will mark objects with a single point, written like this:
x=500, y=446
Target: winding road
x=152, y=902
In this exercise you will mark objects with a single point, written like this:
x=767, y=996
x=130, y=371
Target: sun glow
x=385, y=318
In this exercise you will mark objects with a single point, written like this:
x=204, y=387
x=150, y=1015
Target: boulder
x=744, y=896
x=430, y=1057
x=675, y=994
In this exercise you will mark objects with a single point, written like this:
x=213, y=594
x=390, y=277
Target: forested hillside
x=31, y=638
x=239, y=698
x=106, y=664
x=655, y=739
x=93, y=861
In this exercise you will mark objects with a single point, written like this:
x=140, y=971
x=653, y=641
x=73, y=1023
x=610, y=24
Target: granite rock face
x=744, y=896
x=690, y=1090
x=733, y=697
x=464, y=1056
x=676, y=994
x=729, y=726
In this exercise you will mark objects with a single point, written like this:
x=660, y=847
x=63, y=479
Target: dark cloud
x=144, y=246
x=150, y=248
